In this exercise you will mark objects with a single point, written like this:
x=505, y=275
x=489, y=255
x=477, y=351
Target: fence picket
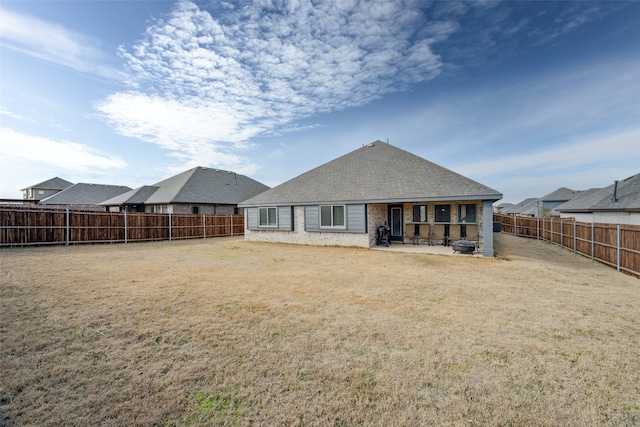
x=616, y=246
x=36, y=225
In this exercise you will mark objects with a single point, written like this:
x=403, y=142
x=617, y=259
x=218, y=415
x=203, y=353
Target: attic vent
x=371, y=145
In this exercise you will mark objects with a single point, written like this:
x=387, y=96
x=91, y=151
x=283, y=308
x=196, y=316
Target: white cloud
x=64, y=155
x=583, y=154
x=25, y=159
x=201, y=81
x=54, y=44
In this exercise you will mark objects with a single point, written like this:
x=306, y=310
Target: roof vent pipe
x=615, y=191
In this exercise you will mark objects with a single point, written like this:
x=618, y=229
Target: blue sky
x=524, y=97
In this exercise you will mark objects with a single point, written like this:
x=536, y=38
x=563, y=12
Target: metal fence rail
x=30, y=226
x=615, y=245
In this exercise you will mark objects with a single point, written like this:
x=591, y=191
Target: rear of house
x=345, y=201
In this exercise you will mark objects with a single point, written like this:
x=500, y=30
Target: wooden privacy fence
x=615, y=245
x=22, y=226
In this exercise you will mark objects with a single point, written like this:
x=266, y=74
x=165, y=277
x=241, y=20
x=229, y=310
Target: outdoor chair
x=422, y=231
x=438, y=234
x=411, y=232
x=454, y=232
x=471, y=234
x=425, y=233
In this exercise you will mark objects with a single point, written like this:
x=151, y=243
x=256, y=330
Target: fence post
x=515, y=225
x=575, y=241
x=231, y=234
x=537, y=228
x=618, y=246
x=67, y=225
x=561, y=236
x=169, y=227
x=204, y=227
x=125, y=225
x=592, y=242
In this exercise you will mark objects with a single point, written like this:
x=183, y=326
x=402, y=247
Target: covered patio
x=425, y=249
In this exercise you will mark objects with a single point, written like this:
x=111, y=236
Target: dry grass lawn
x=228, y=332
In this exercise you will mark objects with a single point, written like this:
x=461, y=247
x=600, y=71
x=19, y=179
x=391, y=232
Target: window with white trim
x=333, y=216
x=268, y=217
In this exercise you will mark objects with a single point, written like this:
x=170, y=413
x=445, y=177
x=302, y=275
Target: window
x=443, y=213
x=419, y=213
x=467, y=213
x=332, y=216
x=268, y=217
x=40, y=192
x=195, y=210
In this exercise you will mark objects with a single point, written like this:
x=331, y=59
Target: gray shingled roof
x=84, y=194
x=525, y=207
x=197, y=185
x=601, y=199
x=133, y=197
x=561, y=194
x=375, y=173
x=52, y=184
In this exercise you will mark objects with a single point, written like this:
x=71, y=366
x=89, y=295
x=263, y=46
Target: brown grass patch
x=227, y=332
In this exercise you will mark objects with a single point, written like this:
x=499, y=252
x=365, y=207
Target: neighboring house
x=343, y=202
x=502, y=207
x=197, y=191
x=44, y=189
x=527, y=207
x=545, y=206
x=84, y=195
x=618, y=203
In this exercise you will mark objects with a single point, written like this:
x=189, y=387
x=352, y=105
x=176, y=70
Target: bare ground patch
x=227, y=332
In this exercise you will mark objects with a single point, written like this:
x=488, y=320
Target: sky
x=522, y=96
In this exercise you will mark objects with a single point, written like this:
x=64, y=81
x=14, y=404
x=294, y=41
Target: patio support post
x=487, y=228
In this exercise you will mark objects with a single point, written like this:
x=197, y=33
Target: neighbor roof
x=375, y=173
x=561, y=194
x=601, y=199
x=133, y=197
x=525, y=207
x=84, y=194
x=52, y=184
x=197, y=185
